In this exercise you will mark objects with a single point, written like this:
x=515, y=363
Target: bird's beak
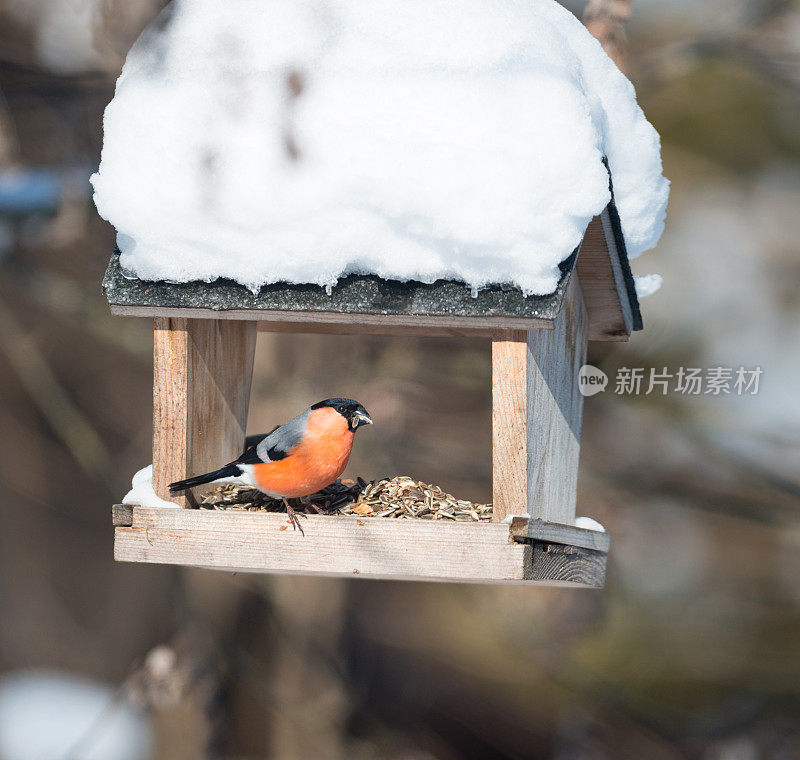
x=363, y=419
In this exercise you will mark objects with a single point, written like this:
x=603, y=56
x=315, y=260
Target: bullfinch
x=299, y=458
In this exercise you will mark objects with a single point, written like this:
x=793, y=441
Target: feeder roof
x=309, y=141
x=369, y=301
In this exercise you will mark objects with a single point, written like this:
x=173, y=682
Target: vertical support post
x=555, y=410
x=536, y=415
x=202, y=371
x=509, y=423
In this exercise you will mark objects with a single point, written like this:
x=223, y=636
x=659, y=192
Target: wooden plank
x=603, y=283
x=202, y=371
x=509, y=424
x=337, y=546
x=555, y=409
x=523, y=529
x=122, y=515
x=616, y=258
x=424, y=331
x=330, y=322
x=567, y=565
x=170, y=404
x=345, y=546
x=221, y=373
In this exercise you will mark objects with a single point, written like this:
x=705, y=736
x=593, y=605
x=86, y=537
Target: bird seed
x=400, y=497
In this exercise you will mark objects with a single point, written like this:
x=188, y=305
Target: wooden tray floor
x=345, y=546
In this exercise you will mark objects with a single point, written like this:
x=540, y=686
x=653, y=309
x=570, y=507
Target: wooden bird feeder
x=203, y=361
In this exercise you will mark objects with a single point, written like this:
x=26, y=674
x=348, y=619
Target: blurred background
x=692, y=650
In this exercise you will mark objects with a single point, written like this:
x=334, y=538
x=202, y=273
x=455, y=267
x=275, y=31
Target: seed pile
x=400, y=497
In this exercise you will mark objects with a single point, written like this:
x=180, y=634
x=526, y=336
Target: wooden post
x=536, y=415
x=202, y=370
x=509, y=423
x=555, y=410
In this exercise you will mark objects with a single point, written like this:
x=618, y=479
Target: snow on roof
x=302, y=140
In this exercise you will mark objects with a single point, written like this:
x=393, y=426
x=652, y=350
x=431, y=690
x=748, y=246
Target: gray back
x=283, y=439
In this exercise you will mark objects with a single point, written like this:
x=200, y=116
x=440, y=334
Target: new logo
x=591, y=380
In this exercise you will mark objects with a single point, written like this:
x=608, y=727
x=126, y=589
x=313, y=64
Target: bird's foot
x=293, y=517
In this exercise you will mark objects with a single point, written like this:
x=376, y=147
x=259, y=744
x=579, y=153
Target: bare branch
x=605, y=19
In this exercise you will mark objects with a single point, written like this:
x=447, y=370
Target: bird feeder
x=204, y=343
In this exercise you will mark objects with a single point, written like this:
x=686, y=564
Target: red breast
x=319, y=458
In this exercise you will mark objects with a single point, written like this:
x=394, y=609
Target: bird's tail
x=228, y=471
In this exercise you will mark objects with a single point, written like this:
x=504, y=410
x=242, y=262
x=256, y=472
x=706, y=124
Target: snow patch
x=647, y=284
x=142, y=493
x=508, y=519
x=302, y=140
x=588, y=524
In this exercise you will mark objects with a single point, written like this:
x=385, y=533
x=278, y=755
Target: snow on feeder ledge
x=433, y=168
